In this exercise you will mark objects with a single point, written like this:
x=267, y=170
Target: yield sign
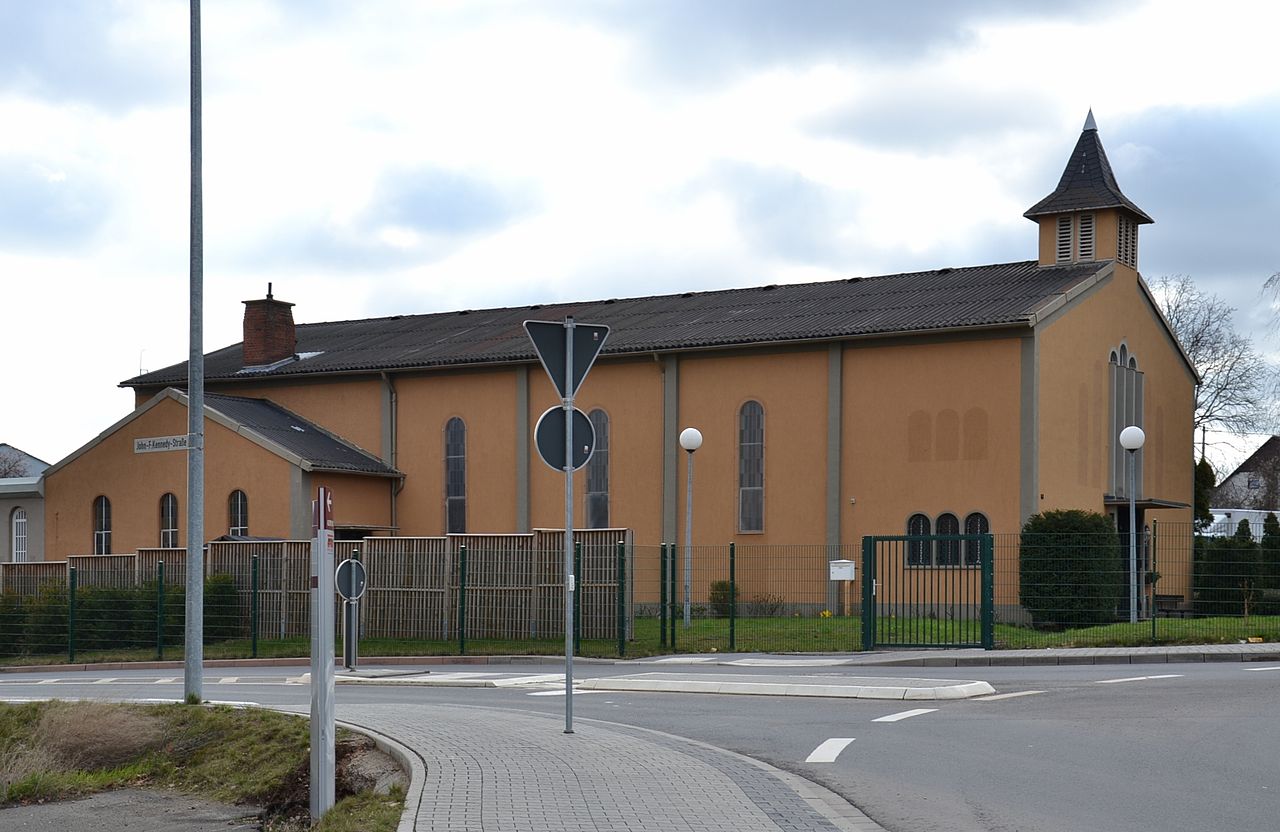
x=551, y=342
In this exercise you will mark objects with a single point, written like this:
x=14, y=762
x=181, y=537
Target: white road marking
x=1138, y=678
x=228, y=680
x=104, y=681
x=17, y=700
x=829, y=750
x=683, y=660
x=47, y=681
x=1013, y=695
x=1260, y=669
x=166, y=681
x=905, y=715
x=561, y=692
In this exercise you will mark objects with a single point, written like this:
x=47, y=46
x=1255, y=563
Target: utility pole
x=194, y=666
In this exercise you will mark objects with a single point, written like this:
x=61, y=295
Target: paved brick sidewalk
x=488, y=769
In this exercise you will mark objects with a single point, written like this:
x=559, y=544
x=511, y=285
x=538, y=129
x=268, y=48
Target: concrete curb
x=408, y=759
x=937, y=689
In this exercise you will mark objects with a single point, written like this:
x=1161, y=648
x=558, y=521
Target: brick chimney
x=269, y=334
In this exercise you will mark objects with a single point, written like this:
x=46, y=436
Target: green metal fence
x=1032, y=591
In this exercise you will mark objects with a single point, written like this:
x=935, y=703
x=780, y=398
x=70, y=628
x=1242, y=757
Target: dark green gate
x=928, y=591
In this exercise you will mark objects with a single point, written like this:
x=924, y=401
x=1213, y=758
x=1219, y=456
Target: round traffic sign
x=350, y=579
x=548, y=434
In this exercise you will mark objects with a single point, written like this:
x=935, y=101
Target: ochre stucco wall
x=134, y=483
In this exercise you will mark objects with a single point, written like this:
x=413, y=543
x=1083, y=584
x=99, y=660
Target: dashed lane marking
x=1013, y=695
x=829, y=750
x=104, y=681
x=561, y=692
x=901, y=715
x=1137, y=679
x=228, y=680
x=1260, y=669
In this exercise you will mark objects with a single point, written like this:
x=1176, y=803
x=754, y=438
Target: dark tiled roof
x=1087, y=183
x=973, y=297
x=1260, y=460
x=323, y=450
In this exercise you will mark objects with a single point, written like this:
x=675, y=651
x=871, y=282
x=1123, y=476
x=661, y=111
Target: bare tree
x=1237, y=385
x=11, y=464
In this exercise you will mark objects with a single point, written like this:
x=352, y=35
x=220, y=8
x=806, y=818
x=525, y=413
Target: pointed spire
x=1087, y=182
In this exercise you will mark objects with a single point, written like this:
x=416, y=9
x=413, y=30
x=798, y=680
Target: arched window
x=18, y=534
x=455, y=476
x=598, y=473
x=168, y=522
x=1126, y=409
x=751, y=467
x=948, y=550
x=238, y=513
x=102, y=526
x=974, y=524
x=918, y=551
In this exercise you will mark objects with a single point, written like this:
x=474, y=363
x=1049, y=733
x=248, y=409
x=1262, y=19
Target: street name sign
x=151, y=444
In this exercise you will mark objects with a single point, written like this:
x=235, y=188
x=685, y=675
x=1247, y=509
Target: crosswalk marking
x=1013, y=695
x=829, y=750
x=901, y=715
x=1138, y=678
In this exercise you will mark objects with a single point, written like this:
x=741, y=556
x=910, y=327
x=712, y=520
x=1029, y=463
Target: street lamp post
x=1131, y=439
x=690, y=440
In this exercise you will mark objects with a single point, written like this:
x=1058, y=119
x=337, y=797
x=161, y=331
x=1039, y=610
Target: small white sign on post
x=841, y=570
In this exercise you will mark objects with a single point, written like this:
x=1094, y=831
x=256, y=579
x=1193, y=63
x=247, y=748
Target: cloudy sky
x=386, y=157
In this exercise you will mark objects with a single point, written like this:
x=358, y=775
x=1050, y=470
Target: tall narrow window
x=1085, y=243
x=102, y=526
x=975, y=524
x=751, y=468
x=1064, y=238
x=1126, y=409
x=598, y=473
x=948, y=550
x=918, y=553
x=19, y=535
x=238, y=513
x=168, y=522
x=455, y=476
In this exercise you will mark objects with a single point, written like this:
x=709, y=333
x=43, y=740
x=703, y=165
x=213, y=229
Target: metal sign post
x=351, y=580
x=567, y=361
x=323, y=762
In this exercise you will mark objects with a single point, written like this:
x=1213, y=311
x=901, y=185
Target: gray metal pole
x=323, y=750
x=1133, y=544
x=193, y=685
x=688, y=539
x=569, y=577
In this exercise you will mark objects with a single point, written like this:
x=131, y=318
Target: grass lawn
x=779, y=634
x=59, y=750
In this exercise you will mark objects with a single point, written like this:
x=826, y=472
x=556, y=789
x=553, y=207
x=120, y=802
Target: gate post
x=868, y=593
x=987, y=554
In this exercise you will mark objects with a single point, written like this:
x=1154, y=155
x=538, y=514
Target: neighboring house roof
x=1087, y=183
x=1266, y=455
x=32, y=466
x=272, y=427
x=1000, y=295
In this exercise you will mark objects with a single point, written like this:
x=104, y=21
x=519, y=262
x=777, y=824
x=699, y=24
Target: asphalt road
x=1121, y=748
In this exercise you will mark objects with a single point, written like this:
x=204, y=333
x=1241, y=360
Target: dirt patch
x=97, y=735
x=361, y=766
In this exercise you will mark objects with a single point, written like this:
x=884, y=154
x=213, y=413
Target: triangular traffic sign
x=550, y=341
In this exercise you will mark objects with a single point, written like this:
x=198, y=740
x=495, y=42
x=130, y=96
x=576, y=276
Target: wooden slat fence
x=407, y=595
x=514, y=589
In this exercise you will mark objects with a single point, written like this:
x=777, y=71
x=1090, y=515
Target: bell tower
x=1087, y=217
